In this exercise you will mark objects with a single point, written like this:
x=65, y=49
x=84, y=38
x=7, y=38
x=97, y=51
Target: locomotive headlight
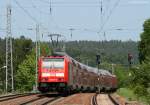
x=45, y=74
x=60, y=74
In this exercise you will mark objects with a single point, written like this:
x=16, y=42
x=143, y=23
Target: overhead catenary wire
x=71, y=4
x=45, y=30
x=63, y=28
x=108, y=17
x=34, y=19
x=49, y=13
x=108, y=5
x=20, y=6
x=39, y=9
x=50, y=7
x=31, y=17
x=62, y=2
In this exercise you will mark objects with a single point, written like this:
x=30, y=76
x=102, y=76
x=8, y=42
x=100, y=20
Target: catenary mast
x=9, y=54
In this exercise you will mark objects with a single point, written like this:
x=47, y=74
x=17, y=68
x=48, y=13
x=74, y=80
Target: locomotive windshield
x=49, y=63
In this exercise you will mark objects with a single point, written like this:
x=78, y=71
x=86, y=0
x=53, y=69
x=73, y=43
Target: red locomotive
x=61, y=73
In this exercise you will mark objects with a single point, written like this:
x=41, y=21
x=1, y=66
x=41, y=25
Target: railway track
x=28, y=99
x=44, y=99
x=9, y=97
x=103, y=99
x=40, y=101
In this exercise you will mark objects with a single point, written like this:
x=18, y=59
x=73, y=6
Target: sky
x=89, y=19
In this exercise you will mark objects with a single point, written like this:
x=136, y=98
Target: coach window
x=77, y=71
x=70, y=72
x=74, y=74
x=70, y=67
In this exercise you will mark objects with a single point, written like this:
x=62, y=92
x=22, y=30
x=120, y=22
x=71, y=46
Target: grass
x=127, y=93
x=130, y=96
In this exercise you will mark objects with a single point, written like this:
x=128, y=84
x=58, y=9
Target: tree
x=45, y=50
x=25, y=75
x=142, y=74
x=21, y=47
x=123, y=76
x=144, y=44
x=141, y=78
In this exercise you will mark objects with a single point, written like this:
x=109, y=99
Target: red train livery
x=61, y=73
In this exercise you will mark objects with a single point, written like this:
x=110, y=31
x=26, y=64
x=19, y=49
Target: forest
x=112, y=52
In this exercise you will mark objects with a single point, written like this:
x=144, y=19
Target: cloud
x=139, y=2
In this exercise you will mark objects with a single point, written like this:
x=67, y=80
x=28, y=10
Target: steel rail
x=33, y=100
x=10, y=97
x=113, y=100
x=49, y=101
x=40, y=98
x=94, y=100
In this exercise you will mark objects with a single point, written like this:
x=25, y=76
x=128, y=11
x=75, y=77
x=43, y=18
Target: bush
x=140, y=90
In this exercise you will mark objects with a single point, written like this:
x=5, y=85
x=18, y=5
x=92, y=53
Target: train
x=63, y=74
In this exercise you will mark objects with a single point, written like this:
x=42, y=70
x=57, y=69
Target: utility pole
x=9, y=55
x=130, y=60
x=98, y=63
x=101, y=6
x=71, y=31
x=112, y=68
x=37, y=54
x=38, y=39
